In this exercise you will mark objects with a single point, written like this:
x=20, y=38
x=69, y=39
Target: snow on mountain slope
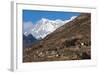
x=45, y=26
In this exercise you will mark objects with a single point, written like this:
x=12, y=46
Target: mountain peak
x=45, y=26
x=44, y=19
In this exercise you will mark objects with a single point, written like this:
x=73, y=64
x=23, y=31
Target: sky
x=36, y=15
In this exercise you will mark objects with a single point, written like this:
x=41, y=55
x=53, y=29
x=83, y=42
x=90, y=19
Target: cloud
x=27, y=26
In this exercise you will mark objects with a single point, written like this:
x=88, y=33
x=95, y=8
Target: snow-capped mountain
x=45, y=26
